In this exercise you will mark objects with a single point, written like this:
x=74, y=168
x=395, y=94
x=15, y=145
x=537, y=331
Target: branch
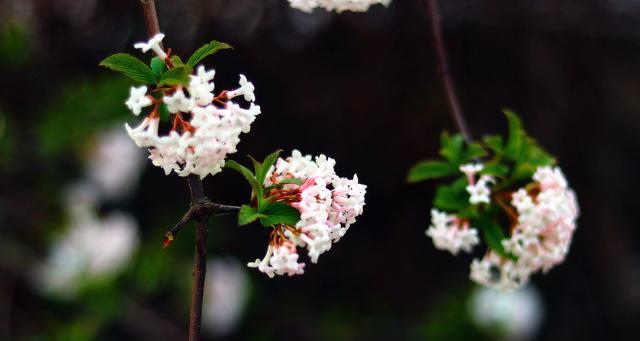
x=202, y=207
x=433, y=11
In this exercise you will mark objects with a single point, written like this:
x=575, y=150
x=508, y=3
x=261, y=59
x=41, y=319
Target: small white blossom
x=138, y=99
x=451, y=233
x=178, y=102
x=480, y=192
x=471, y=169
x=153, y=44
x=246, y=90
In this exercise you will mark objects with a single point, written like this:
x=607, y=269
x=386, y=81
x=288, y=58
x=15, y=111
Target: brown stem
x=201, y=216
x=433, y=11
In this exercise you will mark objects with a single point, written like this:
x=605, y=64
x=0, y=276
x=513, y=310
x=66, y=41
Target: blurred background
x=82, y=212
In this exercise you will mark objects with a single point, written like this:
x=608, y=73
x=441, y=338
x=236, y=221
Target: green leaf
x=279, y=213
x=538, y=156
x=495, y=170
x=474, y=151
x=131, y=66
x=176, y=75
x=176, y=61
x=284, y=182
x=157, y=66
x=248, y=214
x=451, y=148
x=430, y=169
x=452, y=197
x=492, y=235
x=494, y=142
x=248, y=175
x=206, y=50
x=516, y=135
x=266, y=164
x=165, y=115
x=257, y=167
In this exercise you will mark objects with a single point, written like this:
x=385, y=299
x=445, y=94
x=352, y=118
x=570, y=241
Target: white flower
x=178, y=102
x=246, y=89
x=138, y=99
x=285, y=261
x=540, y=239
x=226, y=294
x=153, y=44
x=114, y=164
x=200, y=86
x=336, y=5
x=91, y=249
x=200, y=144
x=471, y=169
x=451, y=234
x=328, y=205
x=507, y=315
x=480, y=192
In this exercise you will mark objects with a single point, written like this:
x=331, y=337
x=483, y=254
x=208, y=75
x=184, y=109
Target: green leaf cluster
x=157, y=73
x=266, y=209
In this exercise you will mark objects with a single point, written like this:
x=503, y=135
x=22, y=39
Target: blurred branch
x=197, y=211
x=433, y=10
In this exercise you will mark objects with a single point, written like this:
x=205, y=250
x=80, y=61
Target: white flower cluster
x=336, y=5
x=479, y=191
x=328, y=205
x=198, y=145
x=451, y=233
x=547, y=211
x=92, y=248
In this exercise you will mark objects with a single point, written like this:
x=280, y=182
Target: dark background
x=363, y=89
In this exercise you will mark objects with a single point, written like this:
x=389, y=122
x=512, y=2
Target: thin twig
x=433, y=11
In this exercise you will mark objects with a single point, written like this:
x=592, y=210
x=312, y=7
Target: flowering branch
x=200, y=210
x=443, y=69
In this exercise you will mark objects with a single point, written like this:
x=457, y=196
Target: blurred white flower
x=114, y=164
x=336, y=5
x=511, y=315
x=90, y=249
x=225, y=296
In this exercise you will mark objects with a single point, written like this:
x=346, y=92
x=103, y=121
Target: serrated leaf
x=266, y=165
x=516, y=136
x=279, y=213
x=430, y=169
x=176, y=75
x=248, y=175
x=248, y=214
x=452, y=197
x=451, y=148
x=538, y=156
x=157, y=66
x=130, y=66
x=206, y=50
